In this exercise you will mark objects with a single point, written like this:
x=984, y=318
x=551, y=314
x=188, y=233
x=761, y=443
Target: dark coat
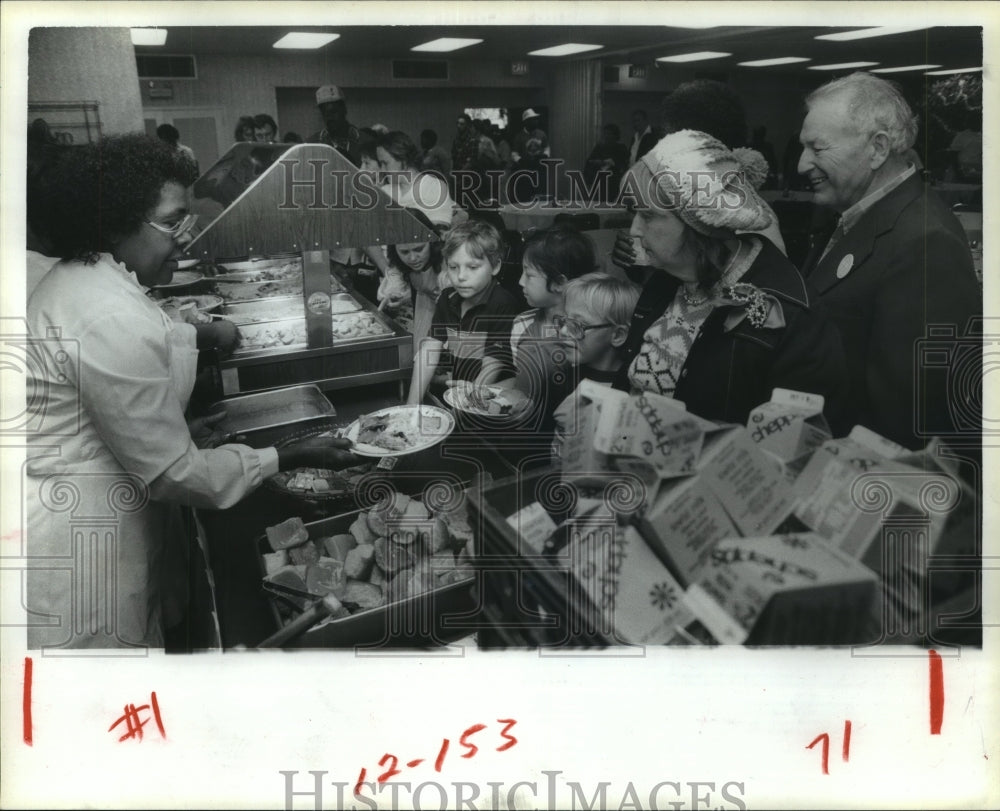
x=909, y=268
x=728, y=374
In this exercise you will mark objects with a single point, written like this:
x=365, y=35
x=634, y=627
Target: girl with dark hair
x=418, y=265
x=117, y=374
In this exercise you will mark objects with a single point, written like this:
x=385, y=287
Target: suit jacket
x=646, y=143
x=729, y=373
x=903, y=267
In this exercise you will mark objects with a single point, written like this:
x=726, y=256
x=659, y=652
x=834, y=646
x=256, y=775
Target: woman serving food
x=117, y=375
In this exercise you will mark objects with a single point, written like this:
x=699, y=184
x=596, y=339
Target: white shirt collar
x=108, y=259
x=851, y=216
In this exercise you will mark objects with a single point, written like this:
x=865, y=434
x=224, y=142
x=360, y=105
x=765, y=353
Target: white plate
x=456, y=397
x=183, y=278
x=414, y=417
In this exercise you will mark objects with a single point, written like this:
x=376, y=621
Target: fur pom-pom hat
x=710, y=187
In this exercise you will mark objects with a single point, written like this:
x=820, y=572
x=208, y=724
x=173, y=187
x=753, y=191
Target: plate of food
x=399, y=430
x=183, y=278
x=483, y=401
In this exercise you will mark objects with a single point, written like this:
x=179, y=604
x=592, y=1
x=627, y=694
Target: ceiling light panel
x=445, y=44
x=956, y=70
x=565, y=50
x=778, y=60
x=868, y=33
x=698, y=56
x=903, y=69
x=843, y=66
x=305, y=40
x=149, y=36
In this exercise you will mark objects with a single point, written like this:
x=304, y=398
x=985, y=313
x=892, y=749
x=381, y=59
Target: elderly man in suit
x=897, y=263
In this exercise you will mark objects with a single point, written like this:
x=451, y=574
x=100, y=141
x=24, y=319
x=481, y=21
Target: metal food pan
x=435, y=617
x=295, y=325
x=270, y=309
x=251, y=413
x=259, y=264
x=234, y=291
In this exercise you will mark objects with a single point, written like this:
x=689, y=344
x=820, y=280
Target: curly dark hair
x=561, y=251
x=707, y=106
x=104, y=189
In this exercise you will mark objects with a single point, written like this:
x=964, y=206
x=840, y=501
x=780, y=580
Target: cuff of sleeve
x=268, y=462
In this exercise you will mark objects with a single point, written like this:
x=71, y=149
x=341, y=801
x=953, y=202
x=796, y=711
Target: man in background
x=170, y=135
x=643, y=137
x=338, y=132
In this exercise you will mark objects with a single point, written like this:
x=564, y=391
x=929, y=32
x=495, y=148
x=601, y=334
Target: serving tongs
x=315, y=613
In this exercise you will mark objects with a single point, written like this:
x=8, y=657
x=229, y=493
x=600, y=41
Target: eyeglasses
x=574, y=328
x=177, y=230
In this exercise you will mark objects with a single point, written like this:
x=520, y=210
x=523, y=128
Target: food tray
x=266, y=336
x=252, y=413
x=255, y=291
x=278, y=309
x=355, y=326
x=432, y=618
x=283, y=264
x=271, y=309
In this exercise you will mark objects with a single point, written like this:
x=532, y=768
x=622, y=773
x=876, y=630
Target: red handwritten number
x=26, y=701
x=468, y=734
x=439, y=762
x=936, y=691
x=392, y=771
x=361, y=781
x=511, y=740
x=156, y=714
x=133, y=722
x=825, y=738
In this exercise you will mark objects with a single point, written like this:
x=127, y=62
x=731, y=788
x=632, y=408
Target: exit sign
x=637, y=71
x=519, y=68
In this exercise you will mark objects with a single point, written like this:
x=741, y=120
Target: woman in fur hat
x=727, y=318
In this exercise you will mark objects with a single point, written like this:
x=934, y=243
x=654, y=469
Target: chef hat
x=710, y=187
x=329, y=92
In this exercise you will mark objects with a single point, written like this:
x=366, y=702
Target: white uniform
x=113, y=455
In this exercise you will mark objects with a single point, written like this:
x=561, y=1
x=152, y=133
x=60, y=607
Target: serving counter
x=278, y=218
x=246, y=612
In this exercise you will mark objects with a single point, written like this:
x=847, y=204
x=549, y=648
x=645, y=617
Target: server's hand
x=329, y=453
x=205, y=431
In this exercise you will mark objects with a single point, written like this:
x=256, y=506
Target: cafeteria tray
x=249, y=413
